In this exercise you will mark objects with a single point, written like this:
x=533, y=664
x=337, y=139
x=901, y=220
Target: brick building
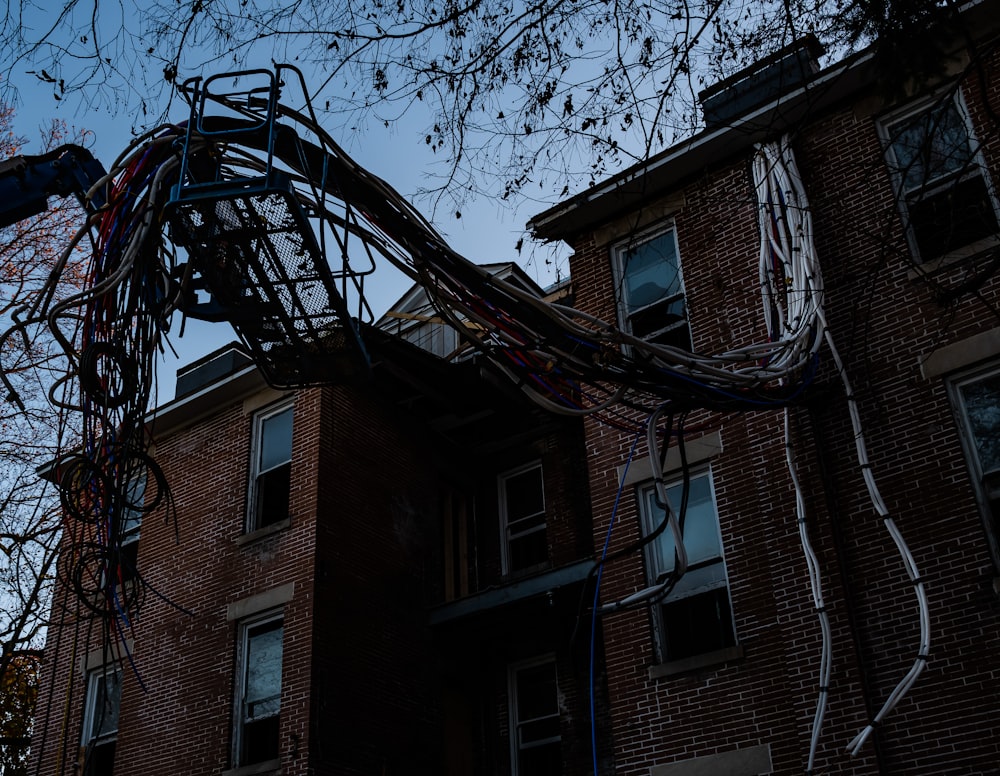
x=398, y=577
x=722, y=675
x=351, y=579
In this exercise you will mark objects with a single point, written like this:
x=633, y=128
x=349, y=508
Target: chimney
x=762, y=82
x=210, y=369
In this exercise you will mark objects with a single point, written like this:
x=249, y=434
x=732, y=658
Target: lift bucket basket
x=254, y=251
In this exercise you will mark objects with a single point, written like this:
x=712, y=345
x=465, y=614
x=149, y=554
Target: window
x=271, y=472
x=695, y=618
x=976, y=397
x=651, y=302
x=100, y=721
x=135, y=496
x=431, y=333
x=259, y=692
x=535, y=741
x=942, y=190
x=522, y=517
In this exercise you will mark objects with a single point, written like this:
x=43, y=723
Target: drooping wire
x=786, y=243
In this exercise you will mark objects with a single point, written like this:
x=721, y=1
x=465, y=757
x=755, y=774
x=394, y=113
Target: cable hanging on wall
x=786, y=237
x=249, y=213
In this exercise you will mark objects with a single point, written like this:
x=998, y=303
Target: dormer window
x=650, y=291
x=942, y=189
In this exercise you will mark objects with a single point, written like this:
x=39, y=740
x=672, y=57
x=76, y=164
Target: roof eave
x=709, y=148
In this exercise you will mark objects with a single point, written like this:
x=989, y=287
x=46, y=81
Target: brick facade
x=403, y=628
x=886, y=319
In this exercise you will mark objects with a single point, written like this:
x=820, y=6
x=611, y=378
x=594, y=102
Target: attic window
x=942, y=190
x=650, y=291
x=271, y=475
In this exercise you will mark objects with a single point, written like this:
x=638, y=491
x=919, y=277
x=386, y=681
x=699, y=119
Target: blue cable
x=597, y=591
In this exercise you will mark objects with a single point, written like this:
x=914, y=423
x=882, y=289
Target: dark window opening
x=522, y=505
x=272, y=470
x=274, y=490
x=697, y=625
x=100, y=758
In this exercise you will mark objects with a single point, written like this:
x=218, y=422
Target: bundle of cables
x=564, y=359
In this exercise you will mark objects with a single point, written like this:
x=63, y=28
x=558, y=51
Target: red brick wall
x=884, y=322
x=185, y=648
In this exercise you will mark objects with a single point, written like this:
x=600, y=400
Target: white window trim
x=512, y=722
x=241, y=663
x=912, y=110
x=93, y=676
x=710, y=574
x=633, y=241
x=505, y=563
x=251, y=522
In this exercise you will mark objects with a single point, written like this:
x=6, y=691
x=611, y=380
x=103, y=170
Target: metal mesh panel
x=258, y=258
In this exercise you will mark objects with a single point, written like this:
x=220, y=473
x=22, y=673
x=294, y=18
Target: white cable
x=786, y=236
x=909, y=563
x=786, y=242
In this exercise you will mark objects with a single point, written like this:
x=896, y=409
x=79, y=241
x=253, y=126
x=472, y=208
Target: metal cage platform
x=257, y=256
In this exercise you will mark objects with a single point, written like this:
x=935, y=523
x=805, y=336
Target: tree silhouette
x=520, y=98
x=29, y=514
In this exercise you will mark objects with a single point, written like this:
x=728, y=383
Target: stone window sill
x=252, y=536
x=269, y=767
x=696, y=662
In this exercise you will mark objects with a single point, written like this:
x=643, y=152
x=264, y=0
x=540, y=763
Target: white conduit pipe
x=779, y=188
x=923, y=650
x=786, y=245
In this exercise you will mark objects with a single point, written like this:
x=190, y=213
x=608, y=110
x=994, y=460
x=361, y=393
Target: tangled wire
x=251, y=202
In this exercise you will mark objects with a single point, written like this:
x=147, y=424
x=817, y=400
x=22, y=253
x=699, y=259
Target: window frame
x=513, y=720
x=704, y=575
x=985, y=483
x=91, y=740
x=254, y=511
x=906, y=197
x=131, y=528
x=240, y=720
x=506, y=567
x=625, y=314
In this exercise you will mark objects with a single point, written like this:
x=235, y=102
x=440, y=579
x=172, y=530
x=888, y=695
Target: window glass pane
x=982, y=408
x=931, y=145
x=263, y=677
x=701, y=533
x=276, y=440
x=105, y=698
x=650, y=272
x=537, y=692
x=135, y=495
x=524, y=495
